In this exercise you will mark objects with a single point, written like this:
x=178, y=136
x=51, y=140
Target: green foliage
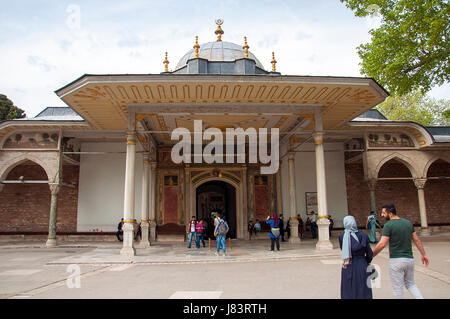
x=418, y=108
x=8, y=110
x=411, y=48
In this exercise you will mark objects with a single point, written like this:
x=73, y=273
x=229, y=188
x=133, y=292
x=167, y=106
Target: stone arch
x=10, y=164
x=402, y=159
x=239, y=199
x=431, y=161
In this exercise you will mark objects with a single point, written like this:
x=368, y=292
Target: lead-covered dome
x=218, y=51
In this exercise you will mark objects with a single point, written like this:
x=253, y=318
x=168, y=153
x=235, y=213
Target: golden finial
x=273, y=62
x=166, y=64
x=245, y=47
x=196, y=46
x=219, y=30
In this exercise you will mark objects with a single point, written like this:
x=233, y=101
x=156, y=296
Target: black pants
x=273, y=241
x=118, y=235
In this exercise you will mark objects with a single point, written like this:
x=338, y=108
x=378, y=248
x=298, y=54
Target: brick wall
x=402, y=193
x=26, y=207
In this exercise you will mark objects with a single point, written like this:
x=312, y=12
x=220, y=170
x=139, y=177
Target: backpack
x=258, y=226
x=222, y=228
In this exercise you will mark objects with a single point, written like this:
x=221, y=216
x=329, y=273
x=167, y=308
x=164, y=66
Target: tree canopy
x=416, y=107
x=410, y=50
x=8, y=110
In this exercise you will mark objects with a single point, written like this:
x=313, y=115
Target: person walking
x=400, y=233
x=356, y=255
x=372, y=225
x=220, y=232
x=200, y=232
x=274, y=233
x=192, y=230
x=281, y=226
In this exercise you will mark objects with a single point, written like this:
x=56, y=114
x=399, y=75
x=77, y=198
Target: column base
x=294, y=240
x=425, y=232
x=51, y=242
x=324, y=245
x=128, y=252
x=152, y=232
x=324, y=242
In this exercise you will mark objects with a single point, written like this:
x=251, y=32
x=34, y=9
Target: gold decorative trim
x=318, y=143
x=145, y=220
x=325, y=216
x=131, y=143
x=128, y=220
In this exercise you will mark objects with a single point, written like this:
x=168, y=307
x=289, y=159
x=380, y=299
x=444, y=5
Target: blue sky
x=47, y=44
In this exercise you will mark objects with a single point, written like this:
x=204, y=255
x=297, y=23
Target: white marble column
x=292, y=200
x=323, y=223
x=153, y=202
x=420, y=185
x=51, y=240
x=128, y=207
x=279, y=195
x=145, y=225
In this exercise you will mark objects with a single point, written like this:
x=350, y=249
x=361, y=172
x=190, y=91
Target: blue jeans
x=220, y=242
x=192, y=234
x=198, y=237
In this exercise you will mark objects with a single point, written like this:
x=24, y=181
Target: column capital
x=318, y=137
x=146, y=157
x=153, y=165
x=291, y=156
x=54, y=188
x=420, y=182
x=372, y=183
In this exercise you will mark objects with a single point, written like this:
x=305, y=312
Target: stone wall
x=402, y=193
x=26, y=207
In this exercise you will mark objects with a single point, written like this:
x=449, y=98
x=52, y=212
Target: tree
x=410, y=49
x=416, y=107
x=8, y=110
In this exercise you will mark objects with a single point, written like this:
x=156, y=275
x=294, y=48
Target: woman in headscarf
x=356, y=255
x=372, y=226
x=274, y=233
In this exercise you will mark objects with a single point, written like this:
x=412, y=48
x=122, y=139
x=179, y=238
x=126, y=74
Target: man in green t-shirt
x=400, y=234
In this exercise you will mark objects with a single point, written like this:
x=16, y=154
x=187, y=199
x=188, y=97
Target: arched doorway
x=217, y=196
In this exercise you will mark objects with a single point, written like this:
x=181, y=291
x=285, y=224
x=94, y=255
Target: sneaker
x=217, y=254
x=225, y=253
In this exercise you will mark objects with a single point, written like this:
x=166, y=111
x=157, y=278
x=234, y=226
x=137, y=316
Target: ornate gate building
x=80, y=169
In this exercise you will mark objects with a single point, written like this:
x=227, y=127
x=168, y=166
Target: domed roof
x=218, y=51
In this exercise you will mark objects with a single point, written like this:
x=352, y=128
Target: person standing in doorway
x=400, y=233
x=220, y=232
x=192, y=230
x=274, y=233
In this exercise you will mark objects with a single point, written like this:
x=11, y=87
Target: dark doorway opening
x=217, y=196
